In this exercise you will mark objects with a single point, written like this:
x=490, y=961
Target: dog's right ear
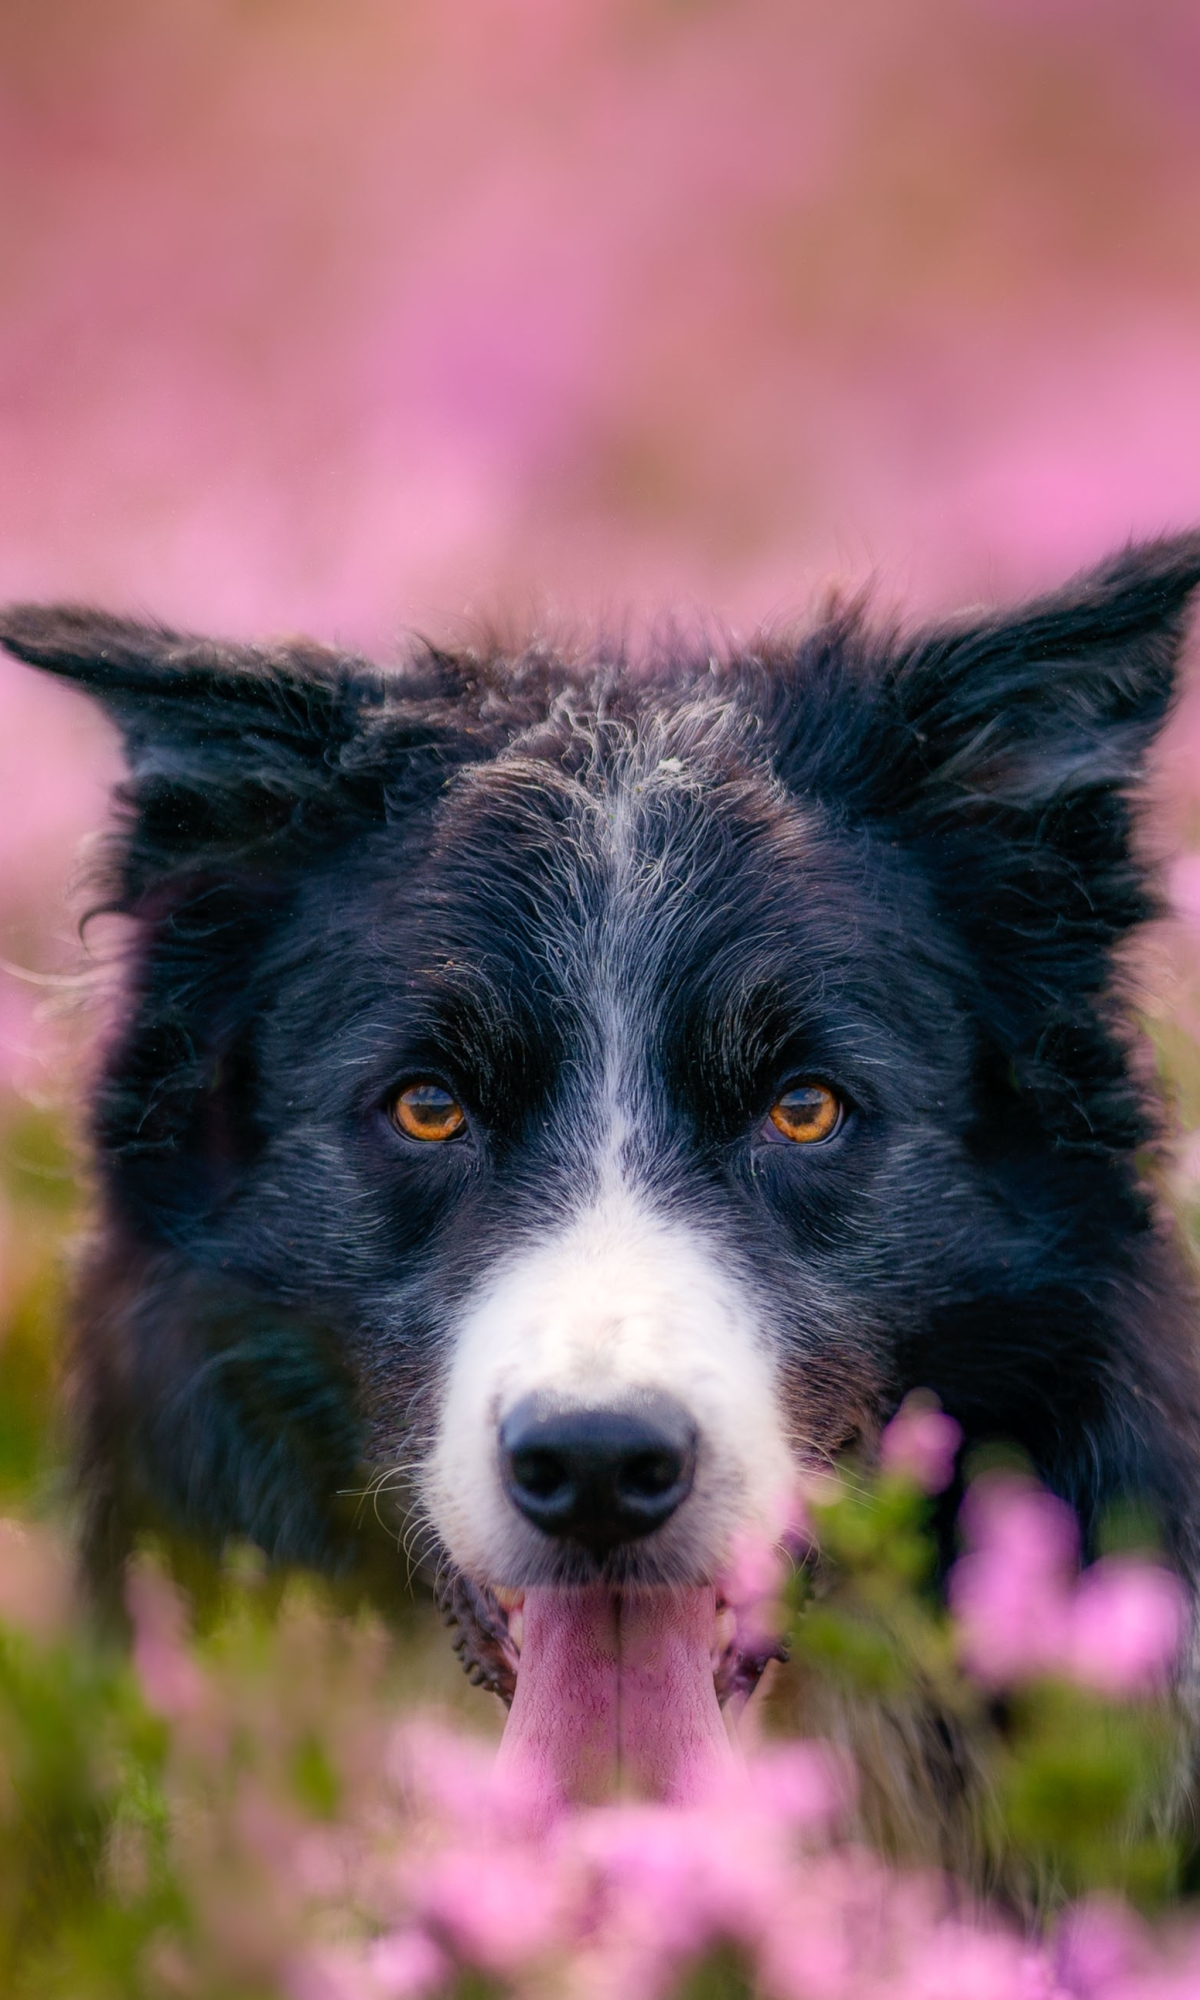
x=238, y=754
x=246, y=764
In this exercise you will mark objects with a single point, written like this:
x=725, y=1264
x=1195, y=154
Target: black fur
x=908, y=867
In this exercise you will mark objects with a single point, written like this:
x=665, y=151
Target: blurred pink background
x=353, y=316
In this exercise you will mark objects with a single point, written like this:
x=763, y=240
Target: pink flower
x=1126, y=1626
x=35, y=1580
x=755, y=1570
x=407, y=1964
x=805, y=1786
x=671, y=1883
x=1023, y=1611
x=958, y=1961
x=921, y=1443
x=1011, y=1594
x=653, y=1872
x=404, y=1966
x=826, y=1932
x=457, y=1780
x=324, y=1975
x=751, y=1584
x=498, y=1909
x=1100, y=1945
x=171, y=1681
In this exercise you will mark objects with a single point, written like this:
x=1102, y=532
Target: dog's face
x=613, y=1087
x=622, y=1101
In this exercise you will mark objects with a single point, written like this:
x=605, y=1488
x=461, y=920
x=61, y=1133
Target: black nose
x=598, y=1477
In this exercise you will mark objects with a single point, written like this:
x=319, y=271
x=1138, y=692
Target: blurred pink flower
x=171, y=1681
x=36, y=1593
x=922, y=1443
x=455, y=1779
x=671, y=1883
x=1101, y=1946
x=659, y=1874
x=756, y=1569
x=1126, y=1627
x=804, y=1786
x=751, y=1584
x=826, y=1936
x=407, y=1964
x=753, y=1572
x=1010, y=1594
x=1023, y=1610
x=325, y=1975
x=959, y=1961
x=444, y=1769
x=496, y=1907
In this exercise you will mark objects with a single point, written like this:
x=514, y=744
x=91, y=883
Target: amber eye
x=807, y=1113
x=426, y=1111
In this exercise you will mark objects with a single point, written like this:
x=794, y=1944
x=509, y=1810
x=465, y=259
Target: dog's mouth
x=609, y=1688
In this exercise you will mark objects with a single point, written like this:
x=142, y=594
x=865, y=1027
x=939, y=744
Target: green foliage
x=1074, y=1775
x=82, y=1766
x=38, y=1168
x=38, y=1186
x=1074, y=1782
x=28, y=1444
x=723, y=1975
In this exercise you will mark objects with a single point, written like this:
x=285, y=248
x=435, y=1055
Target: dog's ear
x=236, y=753
x=245, y=765
x=1008, y=751
x=1024, y=711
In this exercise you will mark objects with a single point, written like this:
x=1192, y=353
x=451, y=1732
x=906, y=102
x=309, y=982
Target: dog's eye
x=807, y=1113
x=426, y=1111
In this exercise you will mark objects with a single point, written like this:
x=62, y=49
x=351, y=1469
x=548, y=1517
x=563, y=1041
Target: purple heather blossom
x=922, y=1443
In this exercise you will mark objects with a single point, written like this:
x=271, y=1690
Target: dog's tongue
x=616, y=1691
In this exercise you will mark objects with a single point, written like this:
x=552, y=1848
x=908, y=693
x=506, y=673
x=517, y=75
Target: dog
x=567, y=1093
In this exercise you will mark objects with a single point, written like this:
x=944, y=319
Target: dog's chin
x=611, y=1680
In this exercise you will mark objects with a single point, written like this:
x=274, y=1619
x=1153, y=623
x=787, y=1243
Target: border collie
x=568, y=1093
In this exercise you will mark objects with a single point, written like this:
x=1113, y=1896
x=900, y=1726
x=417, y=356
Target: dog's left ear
x=1024, y=711
x=1008, y=753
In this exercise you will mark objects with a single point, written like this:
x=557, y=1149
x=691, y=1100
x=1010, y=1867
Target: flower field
x=272, y=1795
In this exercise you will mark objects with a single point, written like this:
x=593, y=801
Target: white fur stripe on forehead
x=704, y=726
x=623, y=772
x=642, y=804
x=616, y=1301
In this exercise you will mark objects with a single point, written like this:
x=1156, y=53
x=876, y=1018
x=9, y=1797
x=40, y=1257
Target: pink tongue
x=616, y=1690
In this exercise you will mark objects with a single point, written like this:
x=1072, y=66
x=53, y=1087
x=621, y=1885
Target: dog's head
x=580, y=1092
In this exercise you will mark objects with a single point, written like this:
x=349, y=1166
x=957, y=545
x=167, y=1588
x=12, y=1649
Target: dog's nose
x=598, y=1477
